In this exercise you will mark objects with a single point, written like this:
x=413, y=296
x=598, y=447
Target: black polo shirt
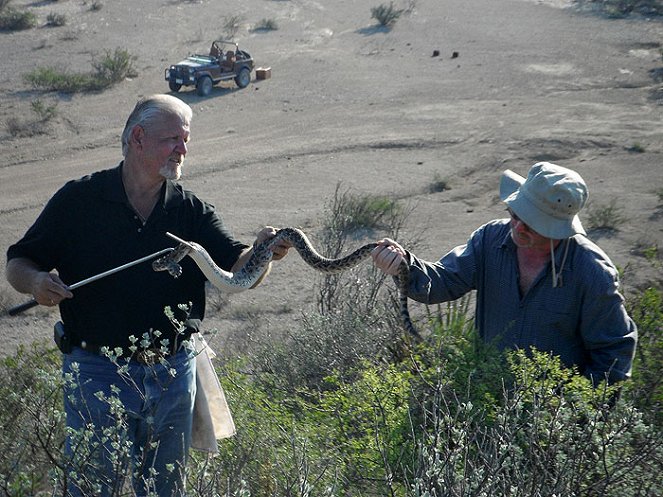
x=88, y=227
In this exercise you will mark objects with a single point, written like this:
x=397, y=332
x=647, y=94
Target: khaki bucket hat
x=549, y=199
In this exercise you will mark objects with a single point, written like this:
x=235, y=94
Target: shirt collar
x=172, y=194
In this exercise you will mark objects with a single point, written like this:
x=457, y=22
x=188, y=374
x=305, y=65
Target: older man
x=102, y=221
x=539, y=281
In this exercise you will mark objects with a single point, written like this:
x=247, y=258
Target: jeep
x=225, y=61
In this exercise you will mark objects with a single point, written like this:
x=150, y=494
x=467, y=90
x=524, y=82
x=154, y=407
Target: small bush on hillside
x=622, y=8
x=266, y=25
x=18, y=127
x=110, y=69
x=231, y=25
x=386, y=15
x=608, y=217
x=15, y=20
x=114, y=67
x=439, y=184
x=56, y=19
x=53, y=79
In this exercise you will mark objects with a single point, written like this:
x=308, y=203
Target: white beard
x=171, y=171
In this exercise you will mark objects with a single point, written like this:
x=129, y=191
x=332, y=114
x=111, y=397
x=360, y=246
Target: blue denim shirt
x=583, y=321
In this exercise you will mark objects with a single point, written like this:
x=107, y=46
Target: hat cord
x=557, y=275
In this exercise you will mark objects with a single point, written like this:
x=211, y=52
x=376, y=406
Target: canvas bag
x=212, y=419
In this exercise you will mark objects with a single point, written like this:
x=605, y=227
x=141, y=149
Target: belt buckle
x=149, y=357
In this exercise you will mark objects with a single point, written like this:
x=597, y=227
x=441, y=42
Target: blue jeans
x=131, y=421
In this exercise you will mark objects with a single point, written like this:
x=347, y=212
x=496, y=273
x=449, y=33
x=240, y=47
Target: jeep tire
x=174, y=86
x=204, y=86
x=243, y=78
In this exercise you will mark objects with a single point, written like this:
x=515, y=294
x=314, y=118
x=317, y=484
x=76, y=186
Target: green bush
x=344, y=405
x=605, y=216
x=18, y=127
x=386, y=15
x=15, y=20
x=54, y=19
x=110, y=69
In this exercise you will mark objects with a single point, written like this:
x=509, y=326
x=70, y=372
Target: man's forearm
x=21, y=274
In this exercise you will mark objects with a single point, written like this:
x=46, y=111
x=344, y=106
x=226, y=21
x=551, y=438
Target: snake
x=262, y=254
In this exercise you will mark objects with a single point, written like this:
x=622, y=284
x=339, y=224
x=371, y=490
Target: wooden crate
x=263, y=72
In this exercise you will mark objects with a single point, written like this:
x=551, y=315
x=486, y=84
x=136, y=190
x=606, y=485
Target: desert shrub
x=231, y=25
x=18, y=127
x=622, y=8
x=386, y=15
x=349, y=212
x=605, y=216
x=109, y=70
x=453, y=418
x=53, y=79
x=646, y=309
x=637, y=148
x=32, y=419
x=439, y=184
x=266, y=25
x=114, y=67
x=54, y=19
x=348, y=219
x=15, y=20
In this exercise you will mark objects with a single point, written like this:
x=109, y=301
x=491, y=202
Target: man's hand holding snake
x=279, y=249
x=388, y=256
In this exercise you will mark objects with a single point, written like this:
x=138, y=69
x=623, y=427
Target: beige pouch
x=212, y=419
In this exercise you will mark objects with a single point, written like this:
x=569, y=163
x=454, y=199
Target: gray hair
x=149, y=109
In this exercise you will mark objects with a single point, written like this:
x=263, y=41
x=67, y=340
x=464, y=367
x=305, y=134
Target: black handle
x=22, y=307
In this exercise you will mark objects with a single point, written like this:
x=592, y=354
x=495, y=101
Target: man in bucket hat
x=540, y=282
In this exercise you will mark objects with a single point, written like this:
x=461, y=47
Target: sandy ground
x=352, y=103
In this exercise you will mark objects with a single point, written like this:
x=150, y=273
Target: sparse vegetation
x=342, y=406
x=54, y=19
x=12, y=19
x=266, y=25
x=111, y=69
x=439, y=184
x=622, y=8
x=636, y=148
x=231, y=25
x=454, y=418
x=659, y=194
x=386, y=15
x=607, y=217
x=349, y=212
x=17, y=127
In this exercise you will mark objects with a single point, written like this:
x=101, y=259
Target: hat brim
x=545, y=225
x=509, y=183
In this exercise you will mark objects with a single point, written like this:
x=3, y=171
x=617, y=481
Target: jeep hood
x=194, y=62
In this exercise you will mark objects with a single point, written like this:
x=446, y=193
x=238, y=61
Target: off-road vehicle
x=225, y=61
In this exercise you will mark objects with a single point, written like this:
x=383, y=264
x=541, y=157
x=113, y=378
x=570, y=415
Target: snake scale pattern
x=251, y=272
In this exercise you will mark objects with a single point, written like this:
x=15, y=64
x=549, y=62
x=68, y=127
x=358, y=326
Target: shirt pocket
x=556, y=324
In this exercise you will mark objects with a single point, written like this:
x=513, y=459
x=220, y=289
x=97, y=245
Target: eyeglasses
x=518, y=220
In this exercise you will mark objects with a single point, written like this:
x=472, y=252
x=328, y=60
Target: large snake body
x=251, y=272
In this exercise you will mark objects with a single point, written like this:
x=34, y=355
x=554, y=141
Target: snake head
x=169, y=262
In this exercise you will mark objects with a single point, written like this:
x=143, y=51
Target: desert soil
x=351, y=103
